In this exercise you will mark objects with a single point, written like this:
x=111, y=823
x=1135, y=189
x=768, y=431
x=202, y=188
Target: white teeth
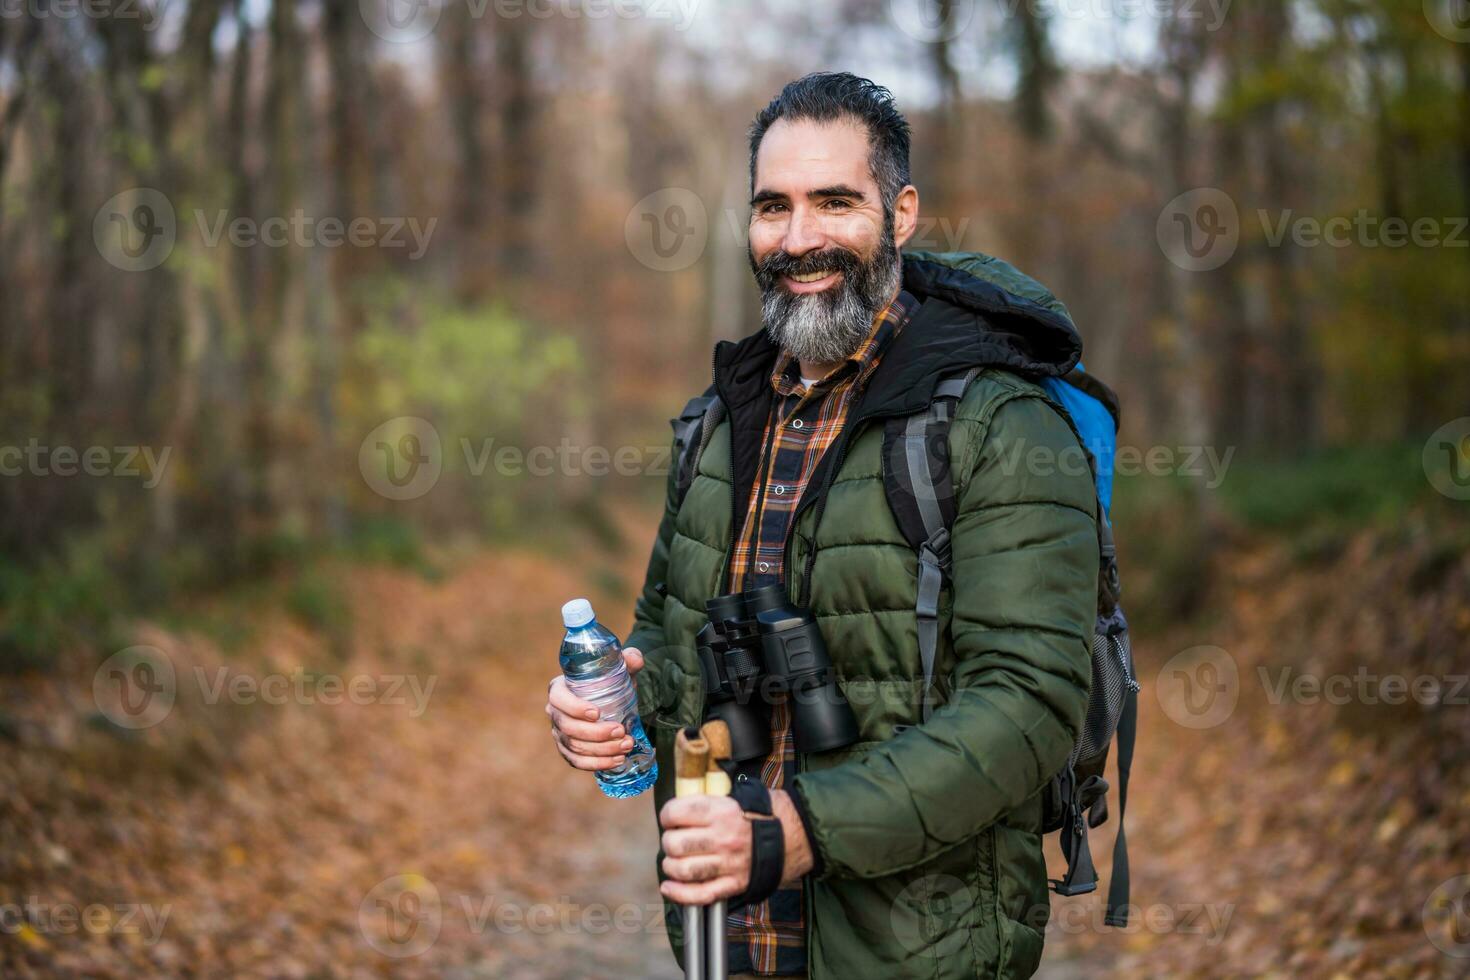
x=812, y=276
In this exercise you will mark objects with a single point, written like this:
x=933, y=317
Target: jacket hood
x=1014, y=318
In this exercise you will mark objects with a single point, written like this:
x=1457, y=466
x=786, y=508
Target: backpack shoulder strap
x=692, y=430
x=919, y=484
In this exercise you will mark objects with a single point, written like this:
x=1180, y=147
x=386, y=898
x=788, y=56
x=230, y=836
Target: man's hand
x=707, y=843
x=581, y=738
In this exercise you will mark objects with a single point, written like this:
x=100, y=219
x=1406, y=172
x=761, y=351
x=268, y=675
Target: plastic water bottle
x=592, y=662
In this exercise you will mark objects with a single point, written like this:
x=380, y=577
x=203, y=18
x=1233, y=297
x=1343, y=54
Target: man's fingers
x=700, y=894
x=633, y=659
x=588, y=763
x=563, y=700
x=689, y=842
x=694, y=811
x=618, y=746
x=587, y=731
x=706, y=867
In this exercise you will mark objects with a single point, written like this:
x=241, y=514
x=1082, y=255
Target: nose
x=803, y=234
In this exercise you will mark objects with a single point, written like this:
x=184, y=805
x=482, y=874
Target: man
x=914, y=852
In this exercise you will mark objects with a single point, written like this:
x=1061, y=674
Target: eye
x=837, y=204
x=771, y=208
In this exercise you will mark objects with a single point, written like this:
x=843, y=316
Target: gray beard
x=826, y=327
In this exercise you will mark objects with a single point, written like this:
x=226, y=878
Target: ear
x=905, y=215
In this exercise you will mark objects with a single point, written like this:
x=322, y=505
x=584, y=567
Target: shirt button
x=796, y=424
x=764, y=566
x=780, y=490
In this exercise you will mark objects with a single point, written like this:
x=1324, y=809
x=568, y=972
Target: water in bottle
x=592, y=662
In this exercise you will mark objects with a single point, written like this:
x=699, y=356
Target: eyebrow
x=835, y=190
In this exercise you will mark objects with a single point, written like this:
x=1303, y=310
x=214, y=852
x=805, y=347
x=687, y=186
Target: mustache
x=834, y=258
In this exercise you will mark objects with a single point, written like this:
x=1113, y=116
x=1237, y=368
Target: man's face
x=822, y=249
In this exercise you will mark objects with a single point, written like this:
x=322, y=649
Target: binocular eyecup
x=758, y=637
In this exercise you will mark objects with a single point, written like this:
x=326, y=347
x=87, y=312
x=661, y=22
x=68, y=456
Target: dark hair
x=829, y=96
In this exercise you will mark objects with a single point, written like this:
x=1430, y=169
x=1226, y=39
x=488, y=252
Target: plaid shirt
x=767, y=937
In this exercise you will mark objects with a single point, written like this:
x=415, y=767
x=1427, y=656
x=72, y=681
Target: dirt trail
x=359, y=840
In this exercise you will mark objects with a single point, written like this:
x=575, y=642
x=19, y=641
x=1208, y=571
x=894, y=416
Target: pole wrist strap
x=767, y=843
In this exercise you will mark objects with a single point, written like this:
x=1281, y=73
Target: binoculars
x=758, y=638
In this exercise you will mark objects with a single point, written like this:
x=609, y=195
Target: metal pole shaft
x=719, y=961
x=694, y=954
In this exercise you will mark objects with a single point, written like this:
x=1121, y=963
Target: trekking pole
x=691, y=760
x=716, y=783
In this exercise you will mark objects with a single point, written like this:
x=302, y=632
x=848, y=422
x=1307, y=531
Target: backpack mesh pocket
x=1112, y=680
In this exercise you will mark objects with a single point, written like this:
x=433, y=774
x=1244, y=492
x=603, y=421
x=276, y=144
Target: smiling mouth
x=810, y=281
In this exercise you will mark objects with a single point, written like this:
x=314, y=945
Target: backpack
x=919, y=488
